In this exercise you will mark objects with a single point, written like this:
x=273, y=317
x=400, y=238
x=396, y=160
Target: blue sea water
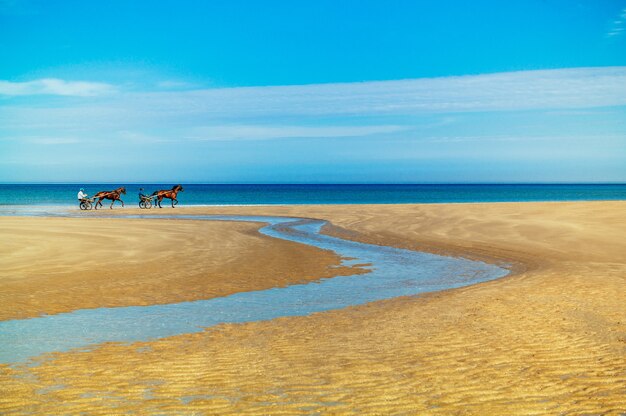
x=212, y=194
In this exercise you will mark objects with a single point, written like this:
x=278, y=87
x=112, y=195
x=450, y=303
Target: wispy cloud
x=618, y=26
x=54, y=86
x=175, y=84
x=264, y=132
x=523, y=139
x=53, y=141
x=300, y=111
x=43, y=140
x=243, y=132
x=546, y=89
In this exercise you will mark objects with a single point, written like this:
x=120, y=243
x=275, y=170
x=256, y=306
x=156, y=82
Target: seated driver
x=81, y=194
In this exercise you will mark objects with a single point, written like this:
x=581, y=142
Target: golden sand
x=550, y=339
x=52, y=265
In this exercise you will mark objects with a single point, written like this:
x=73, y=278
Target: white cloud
x=53, y=141
x=227, y=132
x=139, y=137
x=545, y=89
x=619, y=25
x=53, y=86
x=525, y=139
x=174, y=84
x=265, y=132
x=43, y=140
x=300, y=111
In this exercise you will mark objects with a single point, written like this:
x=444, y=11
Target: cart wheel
x=148, y=204
x=84, y=205
x=142, y=204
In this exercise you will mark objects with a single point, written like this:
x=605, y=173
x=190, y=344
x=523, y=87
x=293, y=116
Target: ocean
x=212, y=194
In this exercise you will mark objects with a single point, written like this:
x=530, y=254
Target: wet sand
x=549, y=339
x=53, y=265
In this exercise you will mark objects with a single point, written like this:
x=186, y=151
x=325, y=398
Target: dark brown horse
x=112, y=195
x=168, y=193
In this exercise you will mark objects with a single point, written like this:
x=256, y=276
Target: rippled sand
x=52, y=265
x=550, y=339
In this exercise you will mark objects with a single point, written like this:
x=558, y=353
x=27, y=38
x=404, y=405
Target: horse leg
x=97, y=202
x=112, y=202
x=174, y=202
x=159, y=199
x=122, y=202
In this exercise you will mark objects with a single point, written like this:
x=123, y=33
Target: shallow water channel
x=392, y=272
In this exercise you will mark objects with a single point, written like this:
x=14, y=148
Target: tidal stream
x=392, y=272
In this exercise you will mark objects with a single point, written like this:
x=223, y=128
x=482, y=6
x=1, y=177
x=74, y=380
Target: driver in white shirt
x=81, y=194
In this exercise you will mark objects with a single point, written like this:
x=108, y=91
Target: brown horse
x=168, y=193
x=112, y=195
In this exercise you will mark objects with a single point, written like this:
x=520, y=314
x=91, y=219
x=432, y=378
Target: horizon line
x=316, y=183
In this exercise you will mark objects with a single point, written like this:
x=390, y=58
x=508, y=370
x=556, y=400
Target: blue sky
x=313, y=91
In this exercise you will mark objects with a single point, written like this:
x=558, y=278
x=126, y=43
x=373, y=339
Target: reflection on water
x=393, y=272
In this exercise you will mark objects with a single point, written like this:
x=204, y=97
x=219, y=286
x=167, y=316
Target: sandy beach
x=548, y=339
x=53, y=265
